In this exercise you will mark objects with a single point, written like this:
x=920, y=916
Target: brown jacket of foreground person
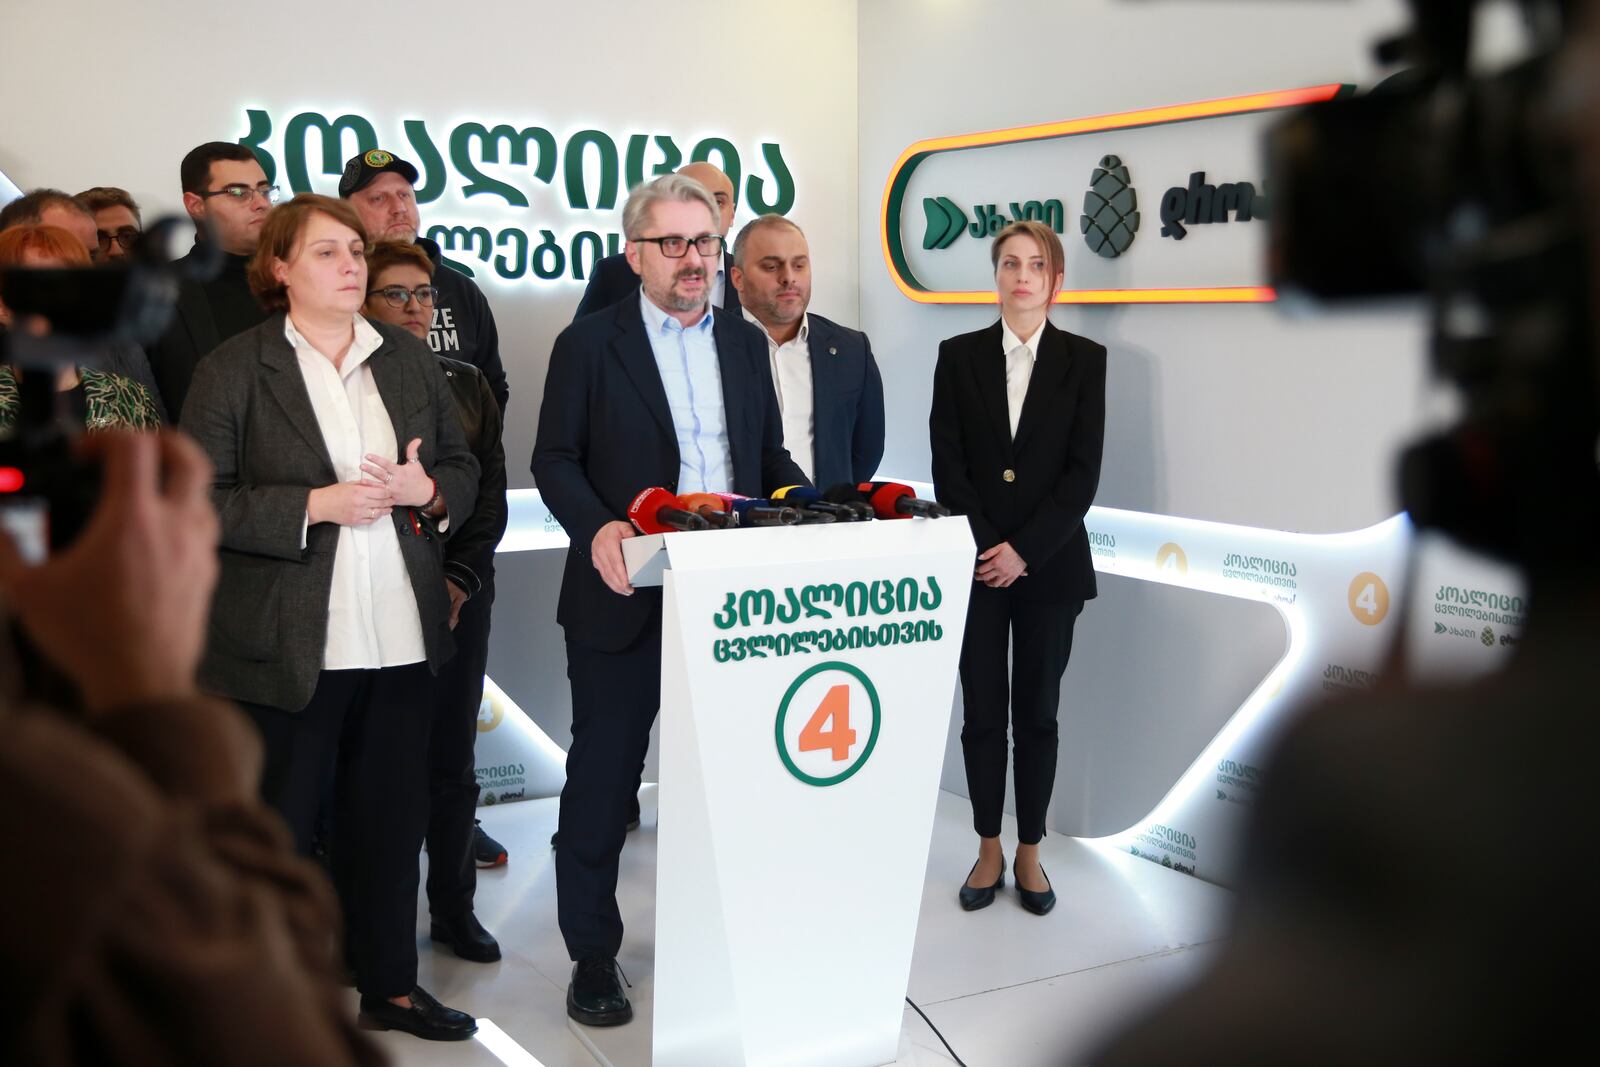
x=154, y=913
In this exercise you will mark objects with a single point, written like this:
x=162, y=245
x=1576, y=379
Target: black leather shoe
x=973, y=899
x=466, y=937
x=1038, y=903
x=426, y=1018
x=595, y=996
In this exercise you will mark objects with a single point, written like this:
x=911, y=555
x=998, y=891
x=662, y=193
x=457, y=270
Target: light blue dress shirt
x=687, y=360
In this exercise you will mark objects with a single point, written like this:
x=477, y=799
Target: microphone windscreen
x=655, y=511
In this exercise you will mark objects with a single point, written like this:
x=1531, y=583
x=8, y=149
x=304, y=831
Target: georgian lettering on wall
x=589, y=170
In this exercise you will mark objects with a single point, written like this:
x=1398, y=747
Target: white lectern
x=806, y=682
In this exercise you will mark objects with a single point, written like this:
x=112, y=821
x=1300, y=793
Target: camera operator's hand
x=349, y=503
x=123, y=610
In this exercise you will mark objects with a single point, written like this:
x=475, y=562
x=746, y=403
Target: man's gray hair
x=646, y=195
x=755, y=225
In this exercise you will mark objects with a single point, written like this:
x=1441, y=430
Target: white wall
x=1235, y=414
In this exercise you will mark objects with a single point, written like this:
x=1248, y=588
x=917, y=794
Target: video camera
x=68, y=317
x=1467, y=194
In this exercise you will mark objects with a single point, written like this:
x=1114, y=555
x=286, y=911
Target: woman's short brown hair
x=386, y=254
x=281, y=233
x=41, y=240
x=1054, y=256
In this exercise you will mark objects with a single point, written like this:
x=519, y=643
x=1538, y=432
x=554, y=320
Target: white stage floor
x=1005, y=987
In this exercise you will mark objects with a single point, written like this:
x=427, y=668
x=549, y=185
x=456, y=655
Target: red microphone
x=891, y=500
x=657, y=511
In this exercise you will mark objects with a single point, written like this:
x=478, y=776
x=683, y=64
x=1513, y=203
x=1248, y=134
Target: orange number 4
x=835, y=708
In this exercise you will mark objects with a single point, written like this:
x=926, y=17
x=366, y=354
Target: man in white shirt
x=829, y=390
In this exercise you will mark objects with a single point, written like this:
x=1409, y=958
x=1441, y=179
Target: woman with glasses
x=1017, y=426
x=400, y=292
x=340, y=470
x=102, y=398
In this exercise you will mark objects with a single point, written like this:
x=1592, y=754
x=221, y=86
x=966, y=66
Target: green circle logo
x=826, y=695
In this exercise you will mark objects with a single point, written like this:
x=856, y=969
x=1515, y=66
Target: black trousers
x=368, y=731
x=452, y=775
x=615, y=696
x=1040, y=640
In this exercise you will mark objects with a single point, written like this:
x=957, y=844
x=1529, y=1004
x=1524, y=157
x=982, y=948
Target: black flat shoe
x=466, y=937
x=595, y=996
x=973, y=899
x=426, y=1018
x=1038, y=903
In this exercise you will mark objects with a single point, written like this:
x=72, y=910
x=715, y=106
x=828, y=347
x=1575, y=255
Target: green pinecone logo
x=1487, y=637
x=1110, y=210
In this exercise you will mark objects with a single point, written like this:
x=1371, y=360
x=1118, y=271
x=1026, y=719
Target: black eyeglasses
x=124, y=237
x=707, y=244
x=398, y=295
x=243, y=193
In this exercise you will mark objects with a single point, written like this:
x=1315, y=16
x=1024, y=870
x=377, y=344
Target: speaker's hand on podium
x=606, y=553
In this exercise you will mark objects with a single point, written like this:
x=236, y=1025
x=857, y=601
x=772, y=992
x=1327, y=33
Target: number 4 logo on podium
x=819, y=726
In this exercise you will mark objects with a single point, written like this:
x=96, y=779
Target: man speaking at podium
x=658, y=390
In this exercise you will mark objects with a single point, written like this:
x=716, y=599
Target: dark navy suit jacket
x=605, y=433
x=612, y=279
x=847, y=404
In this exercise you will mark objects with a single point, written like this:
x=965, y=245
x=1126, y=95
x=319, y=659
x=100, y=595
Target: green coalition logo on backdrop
x=947, y=221
x=591, y=169
x=1110, y=219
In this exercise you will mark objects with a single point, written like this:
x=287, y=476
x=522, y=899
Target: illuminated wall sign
x=1082, y=177
x=512, y=202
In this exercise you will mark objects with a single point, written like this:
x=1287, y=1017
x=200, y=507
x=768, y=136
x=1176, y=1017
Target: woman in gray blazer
x=340, y=467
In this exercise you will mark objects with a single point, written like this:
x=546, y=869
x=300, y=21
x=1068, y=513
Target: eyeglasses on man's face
x=397, y=296
x=707, y=244
x=124, y=237
x=242, y=193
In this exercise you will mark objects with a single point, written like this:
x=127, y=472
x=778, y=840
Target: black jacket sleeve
x=866, y=443
x=469, y=555
x=952, y=480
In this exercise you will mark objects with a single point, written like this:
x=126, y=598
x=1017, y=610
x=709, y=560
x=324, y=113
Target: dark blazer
x=611, y=279
x=249, y=409
x=605, y=433
x=207, y=314
x=1034, y=491
x=469, y=553
x=846, y=405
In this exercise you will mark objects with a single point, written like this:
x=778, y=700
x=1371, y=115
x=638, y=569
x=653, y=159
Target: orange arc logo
x=912, y=157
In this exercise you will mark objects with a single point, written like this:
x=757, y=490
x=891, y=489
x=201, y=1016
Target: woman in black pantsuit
x=1017, y=426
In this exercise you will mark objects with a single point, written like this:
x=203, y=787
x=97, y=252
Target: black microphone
x=753, y=512
x=808, y=499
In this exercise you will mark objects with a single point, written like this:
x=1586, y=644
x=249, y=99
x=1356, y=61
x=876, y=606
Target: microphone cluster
x=656, y=510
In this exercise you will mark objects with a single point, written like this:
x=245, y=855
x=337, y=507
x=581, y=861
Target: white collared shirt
x=373, y=619
x=1020, y=357
x=791, y=378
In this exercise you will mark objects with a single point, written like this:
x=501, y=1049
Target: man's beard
x=675, y=302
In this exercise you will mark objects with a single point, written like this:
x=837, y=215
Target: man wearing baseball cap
x=380, y=186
